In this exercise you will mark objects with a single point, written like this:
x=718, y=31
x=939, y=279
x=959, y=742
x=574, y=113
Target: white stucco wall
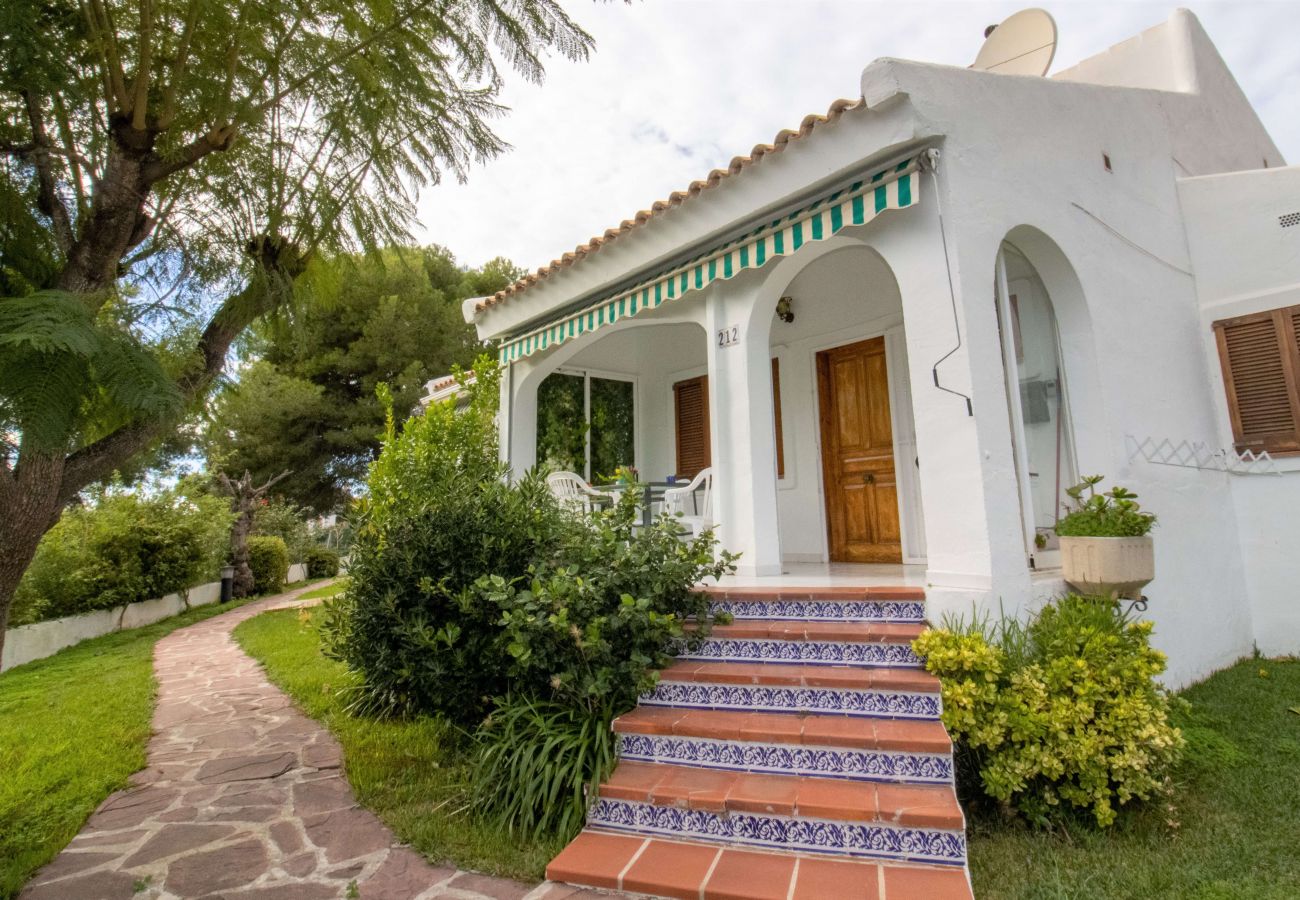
x=1023, y=161
x=1247, y=262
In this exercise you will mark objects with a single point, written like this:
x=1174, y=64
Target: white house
x=996, y=283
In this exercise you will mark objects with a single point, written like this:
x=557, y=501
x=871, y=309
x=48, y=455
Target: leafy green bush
x=1062, y=712
x=322, y=562
x=123, y=548
x=539, y=762
x=593, y=625
x=439, y=515
x=279, y=518
x=269, y=559
x=1114, y=513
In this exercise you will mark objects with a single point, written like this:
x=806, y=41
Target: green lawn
x=327, y=590
x=73, y=727
x=411, y=773
x=1233, y=829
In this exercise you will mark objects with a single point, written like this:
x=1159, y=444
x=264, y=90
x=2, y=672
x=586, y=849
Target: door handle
x=869, y=478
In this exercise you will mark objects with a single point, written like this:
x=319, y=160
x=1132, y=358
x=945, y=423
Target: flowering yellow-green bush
x=1061, y=711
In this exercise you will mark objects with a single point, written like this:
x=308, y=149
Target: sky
x=676, y=88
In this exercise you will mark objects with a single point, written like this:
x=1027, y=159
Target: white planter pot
x=1109, y=566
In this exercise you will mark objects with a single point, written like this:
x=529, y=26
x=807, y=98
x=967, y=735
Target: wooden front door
x=858, y=454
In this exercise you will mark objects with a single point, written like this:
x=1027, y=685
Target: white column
x=974, y=541
x=517, y=418
x=743, y=439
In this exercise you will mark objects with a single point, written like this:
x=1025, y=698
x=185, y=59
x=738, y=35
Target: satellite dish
x=1022, y=45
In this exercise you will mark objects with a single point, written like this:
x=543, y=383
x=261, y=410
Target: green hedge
x=268, y=557
x=123, y=548
x=322, y=562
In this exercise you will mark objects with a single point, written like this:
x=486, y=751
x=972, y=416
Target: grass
x=73, y=728
x=328, y=590
x=412, y=773
x=1229, y=830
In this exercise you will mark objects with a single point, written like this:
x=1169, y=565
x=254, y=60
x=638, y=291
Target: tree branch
x=277, y=265
x=219, y=138
x=144, y=59
x=48, y=200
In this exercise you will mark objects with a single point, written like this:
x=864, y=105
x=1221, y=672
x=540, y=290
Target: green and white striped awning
x=897, y=187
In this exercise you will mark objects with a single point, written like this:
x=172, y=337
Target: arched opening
x=1038, y=399
x=847, y=477
x=610, y=402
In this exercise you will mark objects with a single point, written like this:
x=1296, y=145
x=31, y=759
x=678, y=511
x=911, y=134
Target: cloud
x=678, y=87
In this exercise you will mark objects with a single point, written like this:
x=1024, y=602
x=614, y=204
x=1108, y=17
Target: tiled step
x=712, y=790
x=772, y=687
x=861, y=604
x=847, y=747
x=812, y=643
x=868, y=839
x=689, y=871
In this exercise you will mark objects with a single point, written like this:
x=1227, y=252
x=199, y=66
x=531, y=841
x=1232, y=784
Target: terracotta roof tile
x=676, y=198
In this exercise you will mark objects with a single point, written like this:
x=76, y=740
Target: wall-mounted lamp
x=785, y=309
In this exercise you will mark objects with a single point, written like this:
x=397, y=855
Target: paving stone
x=108, y=838
x=246, y=768
x=94, y=886
x=226, y=867
x=298, y=891
x=73, y=862
x=176, y=839
x=287, y=837
x=300, y=865
x=323, y=754
x=131, y=807
x=311, y=797
x=496, y=888
x=403, y=874
x=346, y=833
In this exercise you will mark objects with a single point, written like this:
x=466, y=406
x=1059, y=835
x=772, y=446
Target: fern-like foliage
x=60, y=368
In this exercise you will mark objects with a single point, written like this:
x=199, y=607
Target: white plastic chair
x=573, y=491
x=695, y=512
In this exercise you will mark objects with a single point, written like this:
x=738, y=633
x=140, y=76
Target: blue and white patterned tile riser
x=817, y=653
x=824, y=610
x=876, y=840
x=767, y=698
x=788, y=759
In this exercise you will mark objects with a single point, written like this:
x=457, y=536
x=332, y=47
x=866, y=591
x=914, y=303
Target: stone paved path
x=244, y=798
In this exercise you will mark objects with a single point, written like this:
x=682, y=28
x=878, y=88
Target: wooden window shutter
x=776, y=411
x=1260, y=355
x=691, y=402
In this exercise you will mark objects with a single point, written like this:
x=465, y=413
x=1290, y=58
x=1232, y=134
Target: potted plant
x=1106, y=548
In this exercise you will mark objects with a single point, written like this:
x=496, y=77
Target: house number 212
x=728, y=337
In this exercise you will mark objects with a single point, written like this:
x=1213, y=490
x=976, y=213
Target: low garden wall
x=31, y=642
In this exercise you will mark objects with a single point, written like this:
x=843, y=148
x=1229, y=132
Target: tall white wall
x=1247, y=262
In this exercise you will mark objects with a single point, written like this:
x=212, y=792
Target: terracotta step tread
x=688, y=870
x=715, y=790
x=914, y=735
x=724, y=592
x=847, y=632
x=841, y=677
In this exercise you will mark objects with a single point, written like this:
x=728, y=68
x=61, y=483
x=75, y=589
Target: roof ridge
x=676, y=198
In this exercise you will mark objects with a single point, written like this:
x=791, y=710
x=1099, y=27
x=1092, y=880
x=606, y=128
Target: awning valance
x=897, y=187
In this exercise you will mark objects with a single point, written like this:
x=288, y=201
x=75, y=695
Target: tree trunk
x=239, y=550
x=29, y=507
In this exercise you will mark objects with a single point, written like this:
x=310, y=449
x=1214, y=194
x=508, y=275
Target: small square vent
x=1289, y=219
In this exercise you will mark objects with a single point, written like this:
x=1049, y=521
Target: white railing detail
x=1199, y=455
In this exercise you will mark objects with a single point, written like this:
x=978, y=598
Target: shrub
x=279, y=518
x=269, y=559
x=123, y=548
x=539, y=762
x=440, y=514
x=322, y=562
x=1064, y=710
x=1113, y=514
x=593, y=626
